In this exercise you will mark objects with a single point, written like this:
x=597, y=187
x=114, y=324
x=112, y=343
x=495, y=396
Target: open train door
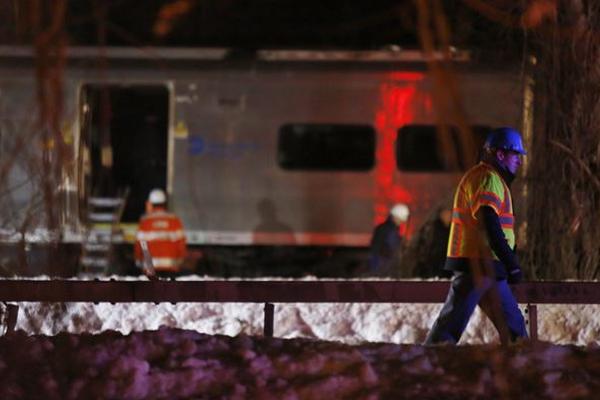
x=124, y=143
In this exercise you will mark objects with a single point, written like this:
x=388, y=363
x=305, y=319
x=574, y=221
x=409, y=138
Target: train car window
x=431, y=148
x=327, y=147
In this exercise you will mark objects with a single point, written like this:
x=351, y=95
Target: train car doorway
x=125, y=135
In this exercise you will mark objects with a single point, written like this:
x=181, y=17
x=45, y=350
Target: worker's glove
x=515, y=275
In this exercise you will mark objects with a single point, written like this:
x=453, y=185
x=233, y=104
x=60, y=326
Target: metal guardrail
x=268, y=292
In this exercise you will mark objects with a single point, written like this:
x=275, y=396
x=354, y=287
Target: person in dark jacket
x=386, y=240
x=481, y=245
x=431, y=243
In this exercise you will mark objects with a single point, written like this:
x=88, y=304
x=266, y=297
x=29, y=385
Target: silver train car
x=277, y=149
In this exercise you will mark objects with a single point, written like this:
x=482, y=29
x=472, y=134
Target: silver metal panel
x=233, y=112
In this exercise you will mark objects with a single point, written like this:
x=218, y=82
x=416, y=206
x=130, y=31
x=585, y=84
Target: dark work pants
x=495, y=299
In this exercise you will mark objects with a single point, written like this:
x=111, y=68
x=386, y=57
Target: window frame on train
x=326, y=147
x=423, y=148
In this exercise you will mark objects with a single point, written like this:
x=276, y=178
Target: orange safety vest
x=163, y=232
x=481, y=186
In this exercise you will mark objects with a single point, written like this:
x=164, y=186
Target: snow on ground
x=321, y=351
x=350, y=323
x=182, y=364
x=344, y=322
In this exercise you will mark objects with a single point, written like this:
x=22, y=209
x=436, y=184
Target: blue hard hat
x=505, y=138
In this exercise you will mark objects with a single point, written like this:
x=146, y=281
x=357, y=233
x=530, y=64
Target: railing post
x=10, y=317
x=268, y=324
x=532, y=321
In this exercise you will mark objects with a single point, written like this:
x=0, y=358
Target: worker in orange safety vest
x=160, y=246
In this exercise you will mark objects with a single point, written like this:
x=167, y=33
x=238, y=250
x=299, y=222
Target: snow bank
x=179, y=364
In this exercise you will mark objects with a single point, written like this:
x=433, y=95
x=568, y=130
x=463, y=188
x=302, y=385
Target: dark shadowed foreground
x=179, y=364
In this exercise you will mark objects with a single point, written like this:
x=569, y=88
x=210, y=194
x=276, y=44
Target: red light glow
x=397, y=97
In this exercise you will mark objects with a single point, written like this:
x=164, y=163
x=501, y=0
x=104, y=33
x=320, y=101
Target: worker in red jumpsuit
x=160, y=247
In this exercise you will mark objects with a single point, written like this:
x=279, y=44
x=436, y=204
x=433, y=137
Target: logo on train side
x=197, y=145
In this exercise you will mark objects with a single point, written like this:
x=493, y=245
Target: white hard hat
x=400, y=211
x=157, y=196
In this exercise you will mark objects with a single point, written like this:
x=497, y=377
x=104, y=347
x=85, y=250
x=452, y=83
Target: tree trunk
x=563, y=217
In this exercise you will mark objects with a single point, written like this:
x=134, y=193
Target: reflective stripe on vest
x=480, y=186
x=160, y=235
x=164, y=264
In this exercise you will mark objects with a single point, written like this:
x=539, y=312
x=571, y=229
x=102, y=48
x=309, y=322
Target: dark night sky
x=255, y=23
x=356, y=24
